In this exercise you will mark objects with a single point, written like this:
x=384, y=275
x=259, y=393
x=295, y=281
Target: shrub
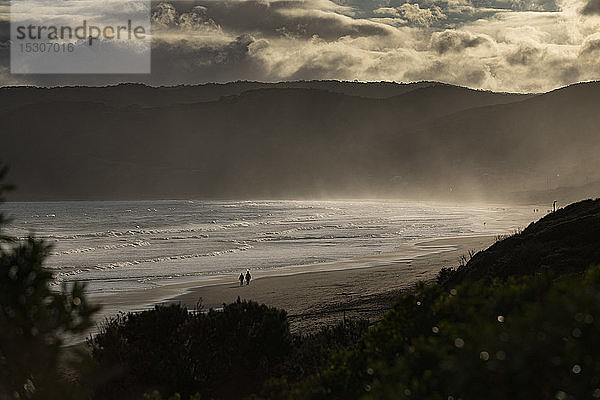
x=524, y=338
x=565, y=241
x=228, y=354
x=223, y=354
x=33, y=320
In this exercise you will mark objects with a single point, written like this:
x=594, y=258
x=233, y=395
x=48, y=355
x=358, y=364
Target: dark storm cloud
x=439, y=70
x=4, y=48
x=165, y=15
x=4, y=30
x=330, y=66
x=591, y=7
x=456, y=41
x=367, y=6
x=591, y=45
x=524, y=55
x=481, y=44
x=570, y=74
x=180, y=61
x=413, y=14
x=275, y=19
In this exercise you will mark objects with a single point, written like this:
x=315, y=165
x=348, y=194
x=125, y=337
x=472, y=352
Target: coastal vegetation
x=225, y=354
x=34, y=320
x=517, y=321
x=563, y=242
x=523, y=338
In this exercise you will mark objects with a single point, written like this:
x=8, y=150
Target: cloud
x=166, y=17
x=412, y=14
x=388, y=11
x=525, y=55
x=475, y=43
x=591, y=7
x=457, y=41
x=416, y=15
x=292, y=18
x=181, y=61
x=590, y=45
x=457, y=71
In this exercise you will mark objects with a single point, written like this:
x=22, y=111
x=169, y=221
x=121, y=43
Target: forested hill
x=563, y=242
x=299, y=140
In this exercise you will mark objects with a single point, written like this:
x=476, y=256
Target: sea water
x=127, y=245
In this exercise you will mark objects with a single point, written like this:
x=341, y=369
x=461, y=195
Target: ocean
x=117, y=246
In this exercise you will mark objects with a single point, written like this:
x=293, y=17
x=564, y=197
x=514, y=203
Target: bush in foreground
x=525, y=338
x=169, y=352
x=223, y=354
x=33, y=320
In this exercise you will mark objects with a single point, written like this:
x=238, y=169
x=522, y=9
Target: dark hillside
x=261, y=143
x=344, y=140
x=148, y=96
x=566, y=241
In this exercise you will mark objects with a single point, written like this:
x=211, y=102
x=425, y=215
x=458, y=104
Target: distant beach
x=318, y=260
x=317, y=295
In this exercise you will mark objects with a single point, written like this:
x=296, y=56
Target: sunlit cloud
x=507, y=45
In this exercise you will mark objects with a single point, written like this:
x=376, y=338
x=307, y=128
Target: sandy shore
x=366, y=288
x=313, y=295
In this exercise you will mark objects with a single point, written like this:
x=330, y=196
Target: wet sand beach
x=368, y=288
x=313, y=295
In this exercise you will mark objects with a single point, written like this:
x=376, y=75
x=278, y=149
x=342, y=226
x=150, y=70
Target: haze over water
x=121, y=246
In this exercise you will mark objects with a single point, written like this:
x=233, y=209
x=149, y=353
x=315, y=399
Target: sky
x=499, y=45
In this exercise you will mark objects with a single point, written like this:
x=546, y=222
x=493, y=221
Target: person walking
x=248, y=277
x=241, y=278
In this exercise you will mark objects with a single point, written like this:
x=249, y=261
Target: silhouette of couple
x=247, y=278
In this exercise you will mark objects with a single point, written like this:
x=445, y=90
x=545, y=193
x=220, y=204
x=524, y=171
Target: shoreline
x=314, y=299
x=313, y=295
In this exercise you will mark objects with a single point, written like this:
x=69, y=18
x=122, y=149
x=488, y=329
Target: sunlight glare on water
x=116, y=246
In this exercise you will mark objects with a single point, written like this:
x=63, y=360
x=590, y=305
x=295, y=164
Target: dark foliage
x=222, y=354
x=33, y=320
x=566, y=241
x=311, y=352
x=246, y=348
x=524, y=338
